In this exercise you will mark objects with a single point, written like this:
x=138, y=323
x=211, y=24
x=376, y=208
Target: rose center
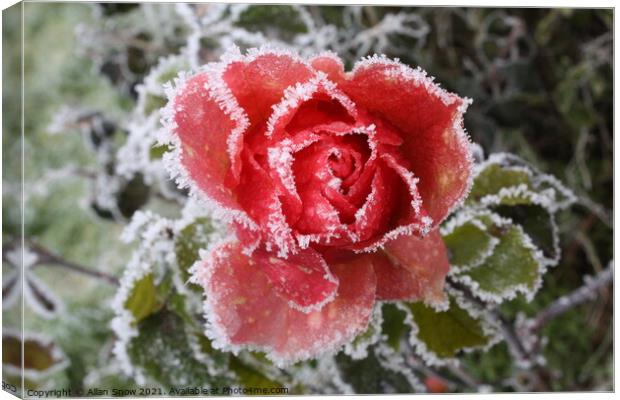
x=343, y=163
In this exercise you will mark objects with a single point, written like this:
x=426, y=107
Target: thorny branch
x=47, y=257
x=579, y=296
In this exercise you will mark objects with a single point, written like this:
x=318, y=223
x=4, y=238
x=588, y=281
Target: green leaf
x=153, y=103
x=393, y=326
x=142, y=300
x=445, y=333
x=251, y=377
x=189, y=241
x=133, y=196
x=505, y=179
x=157, y=152
x=513, y=267
x=162, y=350
x=537, y=223
x=468, y=245
x=169, y=74
x=257, y=19
x=495, y=177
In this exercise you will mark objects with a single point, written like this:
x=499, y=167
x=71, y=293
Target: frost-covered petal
x=430, y=120
x=203, y=127
x=417, y=271
x=259, y=79
x=406, y=214
x=257, y=194
x=308, y=104
x=303, y=279
x=330, y=64
x=244, y=311
x=378, y=207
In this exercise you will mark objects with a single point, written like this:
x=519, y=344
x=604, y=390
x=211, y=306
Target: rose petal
x=258, y=81
x=309, y=104
x=257, y=194
x=407, y=217
x=426, y=261
x=374, y=215
x=244, y=311
x=330, y=64
x=394, y=282
x=303, y=279
x=204, y=128
x=431, y=122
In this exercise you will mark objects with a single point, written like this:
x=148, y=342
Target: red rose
x=334, y=183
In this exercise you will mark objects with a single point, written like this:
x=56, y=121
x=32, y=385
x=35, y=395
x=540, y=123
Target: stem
x=47, y=257
x=579, y=296
x=464, y=376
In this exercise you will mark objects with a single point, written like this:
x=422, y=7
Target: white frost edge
x=325, y=377
x=13, y=278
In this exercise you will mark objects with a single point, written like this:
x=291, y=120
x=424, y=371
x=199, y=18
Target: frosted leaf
x=64, y=120
x=11, y=288
x=396, y=362
x=252, y=370
x=381, y=36
x=136, y=155
x=37, y=295
x=153, y=84
x=468, y=241
x=152, y=278
x=42, y=356
x=438, y=336
x=155, y=246
x=379, y=372
x=163, y=351
x=516, y=265
x=506, y=179
x=40, y=298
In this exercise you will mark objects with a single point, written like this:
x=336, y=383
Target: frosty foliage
x=20, y=279
x=42, y=355
x=504, y=183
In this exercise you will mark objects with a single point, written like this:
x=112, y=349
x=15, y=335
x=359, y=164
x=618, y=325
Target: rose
x=334, y=182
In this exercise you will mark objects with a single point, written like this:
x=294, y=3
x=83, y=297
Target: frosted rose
x=334, y=183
